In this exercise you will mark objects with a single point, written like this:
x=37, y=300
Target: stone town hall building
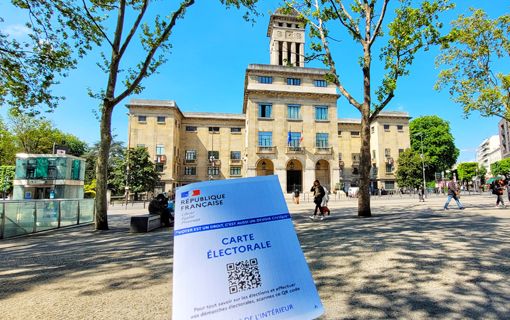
x=288, y=127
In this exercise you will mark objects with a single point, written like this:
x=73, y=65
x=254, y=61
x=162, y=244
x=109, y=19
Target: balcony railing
x=266, y=149
x=323, y=150
x=295, y=149
x=236, y=162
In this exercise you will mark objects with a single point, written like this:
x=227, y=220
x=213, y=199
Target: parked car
x=353, y=192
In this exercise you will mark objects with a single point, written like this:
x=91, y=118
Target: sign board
x=237, y=255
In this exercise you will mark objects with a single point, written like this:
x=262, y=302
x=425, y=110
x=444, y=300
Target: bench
x=145, y=222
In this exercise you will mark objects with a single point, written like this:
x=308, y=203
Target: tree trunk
x=364, y=191
x=102, y=167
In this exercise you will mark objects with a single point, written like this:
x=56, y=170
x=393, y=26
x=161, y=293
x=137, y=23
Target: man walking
x=453, y=192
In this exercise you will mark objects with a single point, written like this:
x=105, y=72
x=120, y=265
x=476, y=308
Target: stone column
x=293, y=53
x=274, y=52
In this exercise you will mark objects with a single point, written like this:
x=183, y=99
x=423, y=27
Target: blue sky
x=212, y=47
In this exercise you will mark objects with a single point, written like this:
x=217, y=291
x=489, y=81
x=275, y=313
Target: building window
x=339, y=133
x=340, y=156
x=389, y=168
x=214, y=129
x=373, y=154
x=190, y=171
x=321, y=113
x=389, y=185
x=159, y=167
x=387, y=152
x=160, y=149
x=400, y=128
x=356, y=157
x=293, y=81
x=235, y=130
x=191, y=129
x=355, y=170
x=294, y=111
x=372, y=129
x=190, y=155
x=235, y=171
x=213, y=171
x=140, y=145
x=235, y=155
x=265, y=79
x=213, y=155
x=320, y=83
x=265, y=110
x=386, y=127
x=321, y=140
x=142, y=119
x=294, y=139
x=355, y=134
x=265, y=139
x=161, y=119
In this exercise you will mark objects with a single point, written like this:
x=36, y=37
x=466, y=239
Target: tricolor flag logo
x=193, y=193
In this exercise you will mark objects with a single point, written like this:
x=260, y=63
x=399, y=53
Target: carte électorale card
x=237, y=255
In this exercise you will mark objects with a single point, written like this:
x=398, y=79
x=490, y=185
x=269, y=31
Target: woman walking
x=499, y=189
x=318, y=194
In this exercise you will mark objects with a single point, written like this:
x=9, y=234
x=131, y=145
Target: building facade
x=288, y=127
x=504, y=138
x=488, y=152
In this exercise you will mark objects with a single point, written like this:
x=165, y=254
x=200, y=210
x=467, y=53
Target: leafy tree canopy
x=468, y=170
x=6, y=178
x=409, y=173
x=475, y=59
x=500, y=168
x=438, y=143
x=7, y=145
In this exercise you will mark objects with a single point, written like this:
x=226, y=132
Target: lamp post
x=422, y=162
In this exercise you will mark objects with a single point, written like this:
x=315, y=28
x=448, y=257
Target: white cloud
x=16, y=30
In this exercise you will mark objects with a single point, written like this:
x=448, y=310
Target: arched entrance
x=294, y=175
x=265, y=167
x=322, y=173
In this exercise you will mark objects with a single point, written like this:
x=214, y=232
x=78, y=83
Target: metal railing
x=22, y=217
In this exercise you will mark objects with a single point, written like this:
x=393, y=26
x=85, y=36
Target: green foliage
x=472, y=57
x=466, y=171
x=58, y=33
x=37, y=135
x=438, y=143
x=501, y=167
x=7, y=146
x=6, y=178
x=89, y=189
x=136, y=170
x=117, y=153
x=409, y=172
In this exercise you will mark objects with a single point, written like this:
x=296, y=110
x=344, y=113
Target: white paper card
x=237, y=255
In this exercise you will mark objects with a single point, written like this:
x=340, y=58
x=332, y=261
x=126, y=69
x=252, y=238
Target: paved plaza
x=411, y=260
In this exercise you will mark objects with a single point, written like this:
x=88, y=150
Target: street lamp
x=422, y=161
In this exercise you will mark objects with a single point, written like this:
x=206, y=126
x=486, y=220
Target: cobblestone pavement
x=411, y=260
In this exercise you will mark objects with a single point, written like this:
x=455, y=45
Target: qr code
x=243, y=275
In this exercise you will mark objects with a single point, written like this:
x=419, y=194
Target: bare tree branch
x=379, y=22
x=134, y=28
x=91, y=17
x=354, y=31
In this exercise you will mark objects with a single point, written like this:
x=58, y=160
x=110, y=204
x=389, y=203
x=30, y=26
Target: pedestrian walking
x=453, y=192
x=318, y=194
x=421, y=194
x=296, y=196
x=498, y=190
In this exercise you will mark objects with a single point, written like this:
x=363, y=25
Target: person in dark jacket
x=318, y=194
x=159, y=205
x=453, y=192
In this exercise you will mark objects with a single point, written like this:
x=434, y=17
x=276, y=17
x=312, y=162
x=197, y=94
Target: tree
x=117, y=151
x=412, y=29
x=438, y=143
x=501, y=167
x=477, y=47
x=29, y=68
x=136, y=171
x=6, y=178
x=409, y=173
x=468, y=170
x=38, y=135
x=7, y=145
